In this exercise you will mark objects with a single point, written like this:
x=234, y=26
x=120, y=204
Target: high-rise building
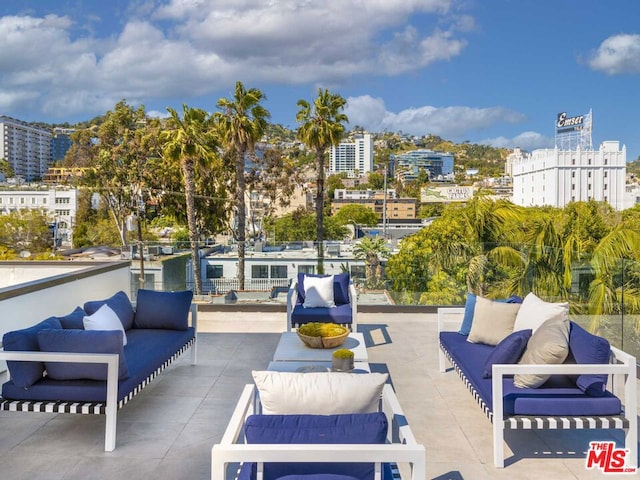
x=407, y=165
x=556, y=177
x=26, y=148
x=60, y=143
x=355, y=158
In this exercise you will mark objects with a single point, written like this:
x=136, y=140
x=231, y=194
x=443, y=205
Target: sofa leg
x=498, y=444
x=442, y=361
x=194, y=353
x=110, y=428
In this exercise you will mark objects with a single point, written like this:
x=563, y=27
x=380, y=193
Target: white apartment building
x=26, y=148
x=60, y=204
x=556, y=177
x=352, y=157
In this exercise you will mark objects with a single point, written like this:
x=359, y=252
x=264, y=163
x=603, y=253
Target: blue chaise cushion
x=73, y=319
x=509, y=350
x=588, y=348
x=82, y=341
x=362, y=428
x=168, y=310
x=25, y=374
x=340, y=288
x=341, y=314
x=119, y=303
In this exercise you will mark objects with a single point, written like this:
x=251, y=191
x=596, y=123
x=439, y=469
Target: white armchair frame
x=622, y=367
x=232, y=448
x=292, y=297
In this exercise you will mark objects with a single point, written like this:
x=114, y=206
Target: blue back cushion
x=73, y=319
x=588, y=348
x=365, y=428
x=340, y=287
x=119, y=303
x=82, y=341
x=25, y=374
x=168, y=310
x=509, y=350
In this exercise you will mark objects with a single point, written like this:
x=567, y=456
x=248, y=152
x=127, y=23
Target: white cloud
x=448, y=122
x=526, y=141
x=617, y=54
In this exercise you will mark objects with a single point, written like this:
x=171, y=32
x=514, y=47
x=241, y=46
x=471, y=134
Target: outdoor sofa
x=79, y=363
x=329, y=426
x=574, y=393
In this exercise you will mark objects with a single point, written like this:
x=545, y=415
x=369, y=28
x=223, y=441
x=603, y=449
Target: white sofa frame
x=622, y=366
x=292, y=297
x=233, y=450
x=110, y=407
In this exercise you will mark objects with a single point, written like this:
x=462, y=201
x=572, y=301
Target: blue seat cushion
x=119, y=303
x=156, y=309
x=340, y=287
x=557, y=397
x=363, y=428
x=82, y=341
x=145, y=352
x=338, y=314
x=509, y=350
x=73, y=319
x=588, y=348
x=25, y=374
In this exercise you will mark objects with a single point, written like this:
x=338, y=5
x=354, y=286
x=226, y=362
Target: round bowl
x=323, y=342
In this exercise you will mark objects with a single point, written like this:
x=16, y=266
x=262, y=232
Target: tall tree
x=321, y=126
x=241, y=122
x=191, y=143
x=372, y=251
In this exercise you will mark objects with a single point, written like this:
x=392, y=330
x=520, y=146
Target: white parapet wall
x=56, y=291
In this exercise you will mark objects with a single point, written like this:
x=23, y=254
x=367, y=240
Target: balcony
x=167, y=431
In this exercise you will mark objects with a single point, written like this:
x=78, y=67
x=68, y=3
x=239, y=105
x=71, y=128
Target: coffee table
x=291, y=349
x=306, y=367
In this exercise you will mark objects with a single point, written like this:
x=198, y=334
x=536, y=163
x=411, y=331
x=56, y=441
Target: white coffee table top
x=291, y=349
x=303, y=367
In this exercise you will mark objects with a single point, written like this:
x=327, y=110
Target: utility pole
x=384, y=204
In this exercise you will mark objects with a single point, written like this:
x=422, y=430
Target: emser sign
x=567, y=124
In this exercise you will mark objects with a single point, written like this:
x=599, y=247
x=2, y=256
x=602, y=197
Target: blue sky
x=484, y=71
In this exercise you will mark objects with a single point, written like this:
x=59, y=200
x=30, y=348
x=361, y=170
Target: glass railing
x=603, y=292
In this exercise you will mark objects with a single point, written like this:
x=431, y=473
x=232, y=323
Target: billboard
x=446, y=194
x=569, y=124
x=574, y=132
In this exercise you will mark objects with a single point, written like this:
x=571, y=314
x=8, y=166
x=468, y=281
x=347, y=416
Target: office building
x=26, y=148
x=355, y=157
x=407, y=165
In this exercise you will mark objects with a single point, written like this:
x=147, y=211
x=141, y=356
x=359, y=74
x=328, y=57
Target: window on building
x=606, y=161
x=33, y=200
x=573, y=161
x=259, y=271
x=11, y=201
x=21, y=200
x=606, y=199
x=605, y=186
x=589, y=174
x=278, y=271
x=310, y=269
x=573, y=186
x=589, y=187
x=573, y=174
x=573, y=198
x=44, y=201
x=606, y=174
x=214, y=271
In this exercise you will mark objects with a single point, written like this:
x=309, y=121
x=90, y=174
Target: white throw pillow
x=318, y=292
x=104, y=319
x=319, y=393
x=534, y=312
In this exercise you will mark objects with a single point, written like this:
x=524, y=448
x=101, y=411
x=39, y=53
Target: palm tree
x=190, y=142
x=372, y=250
x=241, y=122
x=321, y=126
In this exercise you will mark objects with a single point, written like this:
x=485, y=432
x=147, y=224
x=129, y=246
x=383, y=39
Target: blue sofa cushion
x=146, y=351
x=339, y=314
x=25, y=374
x=588, y=348
x=340, y=288
x=82, y=341
x=156, y=309
x=509, y=350
x=365, y=428
x=73, y=319
x=470, y=306
x=119, y=303
x=558, y=396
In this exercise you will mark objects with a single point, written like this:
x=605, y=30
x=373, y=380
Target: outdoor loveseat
x=80, y=363
x=317, y=425
x=574, y=393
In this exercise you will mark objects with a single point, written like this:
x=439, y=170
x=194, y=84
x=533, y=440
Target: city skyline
x=494, y=72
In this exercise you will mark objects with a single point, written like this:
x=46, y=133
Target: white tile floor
x=168, y=430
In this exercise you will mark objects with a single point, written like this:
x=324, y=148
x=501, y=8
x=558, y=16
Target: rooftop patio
x=167, y=431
